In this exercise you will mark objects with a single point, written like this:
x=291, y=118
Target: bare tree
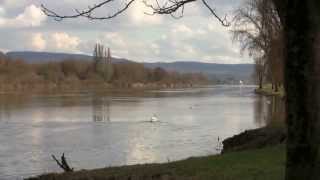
x=275, y=62
x=259, y=67
x=256, y=25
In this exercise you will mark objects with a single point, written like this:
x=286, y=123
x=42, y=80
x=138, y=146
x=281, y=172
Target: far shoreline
x=107, y=88
x=103, y=88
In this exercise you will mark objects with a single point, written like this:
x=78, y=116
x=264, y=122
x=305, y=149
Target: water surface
x=96, y=130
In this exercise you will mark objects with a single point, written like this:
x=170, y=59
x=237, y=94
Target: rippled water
x=98, y=130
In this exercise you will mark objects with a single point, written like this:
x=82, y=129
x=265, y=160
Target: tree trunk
x=302, y=88
x=260, y=81
x=276, y=88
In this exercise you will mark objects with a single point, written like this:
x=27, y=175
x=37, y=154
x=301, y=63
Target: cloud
x=64, y=42
x=124, y=45
x=186, y=51
x=32, y=16
x=156, y=49
x=115, y=39
x=139, y=15
x=181, y=41
x=38, y=42
x=202, y=42
x=53, y=41
x=4, y=50
x=133, y=35
x=183, y=29
x=2, y=11
x=13, y=3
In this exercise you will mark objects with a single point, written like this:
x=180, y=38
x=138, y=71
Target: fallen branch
x=63, y=164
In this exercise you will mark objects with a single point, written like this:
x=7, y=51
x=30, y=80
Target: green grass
x=267, y=90
x=259, y=164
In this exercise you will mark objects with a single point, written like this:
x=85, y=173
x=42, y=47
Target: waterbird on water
x=268, y=102
x=154, y=118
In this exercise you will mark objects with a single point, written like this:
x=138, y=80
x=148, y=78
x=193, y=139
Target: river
x=97, y=130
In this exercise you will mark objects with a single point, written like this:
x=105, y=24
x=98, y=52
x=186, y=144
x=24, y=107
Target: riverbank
x=267, y=90
x=45, y=88
x=21, y=76
x=257, y=154
x=259, y=164
x=255, y=139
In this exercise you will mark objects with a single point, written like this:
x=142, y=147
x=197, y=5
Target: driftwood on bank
x=63, y=164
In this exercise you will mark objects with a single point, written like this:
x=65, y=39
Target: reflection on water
x=269, y=110
x=101, y=108
x=192, y=123
x=276, y=110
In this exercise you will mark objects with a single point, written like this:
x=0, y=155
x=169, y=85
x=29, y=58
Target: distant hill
x=42, y=57
x=2, y=55
x=221, y=73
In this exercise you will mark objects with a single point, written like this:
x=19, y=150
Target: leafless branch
x=172, y=6
x=63, y=164
x=175, y=8
x=169, y=7
x=88, y=12
x=223, y=21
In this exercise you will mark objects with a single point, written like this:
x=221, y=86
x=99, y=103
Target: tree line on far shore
x=16, y=74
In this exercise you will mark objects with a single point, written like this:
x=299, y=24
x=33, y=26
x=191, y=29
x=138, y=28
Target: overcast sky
x=133, y=35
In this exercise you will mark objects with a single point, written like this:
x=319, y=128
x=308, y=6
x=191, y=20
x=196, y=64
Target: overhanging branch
x=88, y=12
x=223, y=21
x=170, y=7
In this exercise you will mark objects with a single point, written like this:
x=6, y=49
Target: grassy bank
x=268, y=91
x=259, y=164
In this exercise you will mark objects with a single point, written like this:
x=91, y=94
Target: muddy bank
x=255, y=139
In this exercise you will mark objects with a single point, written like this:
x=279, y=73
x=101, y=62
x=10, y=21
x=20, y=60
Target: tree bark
x=276, y=88
x=260, y=81
x=301, y=22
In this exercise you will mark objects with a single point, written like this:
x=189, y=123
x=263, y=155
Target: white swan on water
x=154, y=118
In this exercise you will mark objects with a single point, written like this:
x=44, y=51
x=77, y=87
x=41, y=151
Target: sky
x=198, y=36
